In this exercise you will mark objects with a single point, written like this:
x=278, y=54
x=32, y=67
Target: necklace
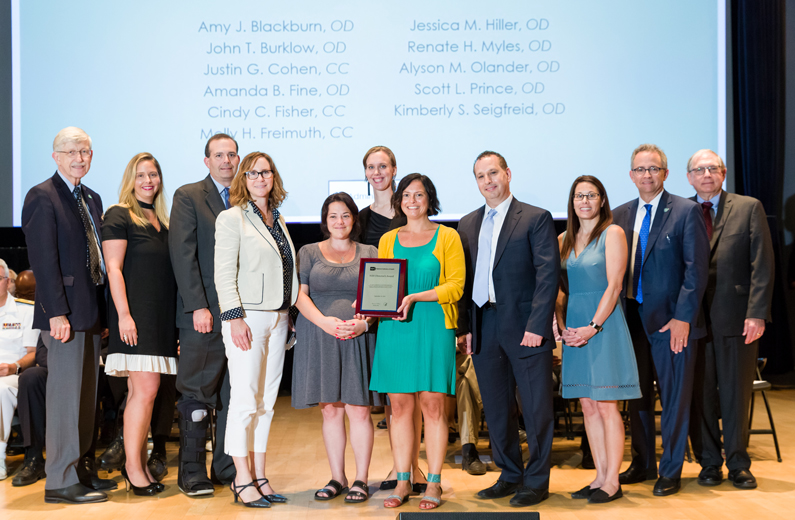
x=145, y=205
x=342, y=257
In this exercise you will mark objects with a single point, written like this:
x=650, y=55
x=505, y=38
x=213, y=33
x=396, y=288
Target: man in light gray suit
x=736, y=304
x=202, y=377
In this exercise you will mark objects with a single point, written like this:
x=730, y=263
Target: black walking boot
x=192, y=477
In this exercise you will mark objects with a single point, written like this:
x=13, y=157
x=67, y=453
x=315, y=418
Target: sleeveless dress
x=327, y=369
x=417, y=354
x=604, y=369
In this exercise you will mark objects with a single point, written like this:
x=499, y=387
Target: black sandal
x=356, y=497
x=337, y=487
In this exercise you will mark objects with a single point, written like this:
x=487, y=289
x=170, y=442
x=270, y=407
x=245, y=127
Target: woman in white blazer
x=257, y=282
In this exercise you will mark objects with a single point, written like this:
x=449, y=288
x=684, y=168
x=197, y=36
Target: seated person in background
x=12, y=283
x=17, y=345
x=470, y=408
x=32, y=408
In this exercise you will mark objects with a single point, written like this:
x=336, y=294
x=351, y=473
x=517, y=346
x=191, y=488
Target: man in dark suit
x=666, y=278
x=505, y=319
x=736, y=304
x=61, y=219
x=202, y=377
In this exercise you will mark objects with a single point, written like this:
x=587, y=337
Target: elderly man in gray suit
x=737, y=305
x=202, y=378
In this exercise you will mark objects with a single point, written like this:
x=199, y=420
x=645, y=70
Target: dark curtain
x=758, y=37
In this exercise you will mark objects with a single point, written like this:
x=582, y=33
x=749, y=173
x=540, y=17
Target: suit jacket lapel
x=663, y=212
x=508, y=225
x=67, y=196
x=721, y=216
x=259, y=225
x=632, y=211
x=213, y=198
x=475, y=238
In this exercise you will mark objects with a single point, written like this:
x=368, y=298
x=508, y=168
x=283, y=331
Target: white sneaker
x=3, y=472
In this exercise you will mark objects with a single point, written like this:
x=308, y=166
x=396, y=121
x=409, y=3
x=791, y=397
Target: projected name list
x=308, y=79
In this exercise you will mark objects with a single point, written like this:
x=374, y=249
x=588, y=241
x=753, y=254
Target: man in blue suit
x=666, y=277
x=61, y=219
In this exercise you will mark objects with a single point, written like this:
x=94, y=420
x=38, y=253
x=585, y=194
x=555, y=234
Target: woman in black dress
x=142, y=342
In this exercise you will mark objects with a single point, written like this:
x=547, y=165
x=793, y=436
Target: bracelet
x=366, y=326
x=597, y=328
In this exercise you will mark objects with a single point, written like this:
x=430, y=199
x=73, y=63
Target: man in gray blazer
x=736, y=304
x=202, y=378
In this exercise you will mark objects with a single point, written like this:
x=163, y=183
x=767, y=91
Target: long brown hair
x=573, y=223
x=238, y=192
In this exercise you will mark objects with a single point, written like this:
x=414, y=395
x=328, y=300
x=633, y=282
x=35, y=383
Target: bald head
x=26, y=285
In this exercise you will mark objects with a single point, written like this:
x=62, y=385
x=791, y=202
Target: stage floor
x=297, y=466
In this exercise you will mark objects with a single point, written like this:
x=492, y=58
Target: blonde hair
x=650, y=148
x=127, y=192
x=70, y=134
x=238, y=192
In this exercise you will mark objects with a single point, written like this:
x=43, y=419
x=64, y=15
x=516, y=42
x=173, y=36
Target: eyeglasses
x=654, y=170
x=253, y=174
x=698, y=172
x=74, y=153
x=590, y=196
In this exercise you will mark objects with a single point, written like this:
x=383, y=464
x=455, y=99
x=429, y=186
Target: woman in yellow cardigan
x=415, y=353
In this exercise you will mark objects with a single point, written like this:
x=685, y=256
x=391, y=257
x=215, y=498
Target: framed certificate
x=382, y=285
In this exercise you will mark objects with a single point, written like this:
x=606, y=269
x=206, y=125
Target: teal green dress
x=417, y=354
x=604, y=369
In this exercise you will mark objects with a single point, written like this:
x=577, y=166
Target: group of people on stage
x=662, y=289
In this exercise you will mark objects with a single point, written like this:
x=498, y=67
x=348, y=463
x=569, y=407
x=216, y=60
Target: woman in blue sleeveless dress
x=599, y=364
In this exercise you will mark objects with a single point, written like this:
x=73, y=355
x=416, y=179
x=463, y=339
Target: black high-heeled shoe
x=275, y=498
x=148, y=491
x=260, y=502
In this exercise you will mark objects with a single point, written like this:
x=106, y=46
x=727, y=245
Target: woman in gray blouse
x=333, y=372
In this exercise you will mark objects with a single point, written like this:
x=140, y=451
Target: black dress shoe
x=157, y=465
x=526, y=496
x=74, y=494
x=585, y=492
x=742, y=479
x=666, y=486
x=30, y=473
x=113, y=457
x=601, y=497
x=499, y=489
x=473, y=466
x=710, y=476
x=87, y=473
x=633, y=475
x=587, y=461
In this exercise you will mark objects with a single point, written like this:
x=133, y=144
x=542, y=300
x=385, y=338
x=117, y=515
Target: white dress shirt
x=499, y=218
x=639, y=216
x=17, y=330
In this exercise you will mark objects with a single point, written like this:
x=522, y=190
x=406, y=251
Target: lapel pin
x=668, y=238
x=666, y=210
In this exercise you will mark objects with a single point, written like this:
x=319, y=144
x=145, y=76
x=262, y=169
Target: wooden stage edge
x=297, y=466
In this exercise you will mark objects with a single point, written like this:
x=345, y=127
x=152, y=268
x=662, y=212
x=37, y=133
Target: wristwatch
x=597, y=328
x=19, y=367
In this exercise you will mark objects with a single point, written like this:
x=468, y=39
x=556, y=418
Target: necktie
x=706, y=208
x=480, y=289
x=225, y=196
x=643, y=238
x=92, y=248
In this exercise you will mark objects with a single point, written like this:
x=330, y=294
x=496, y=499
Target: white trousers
x=9, y=388
x=254, y=376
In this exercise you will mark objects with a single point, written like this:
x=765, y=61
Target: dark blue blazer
x=676, y=266
x=526, y=271
x=56, y=243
